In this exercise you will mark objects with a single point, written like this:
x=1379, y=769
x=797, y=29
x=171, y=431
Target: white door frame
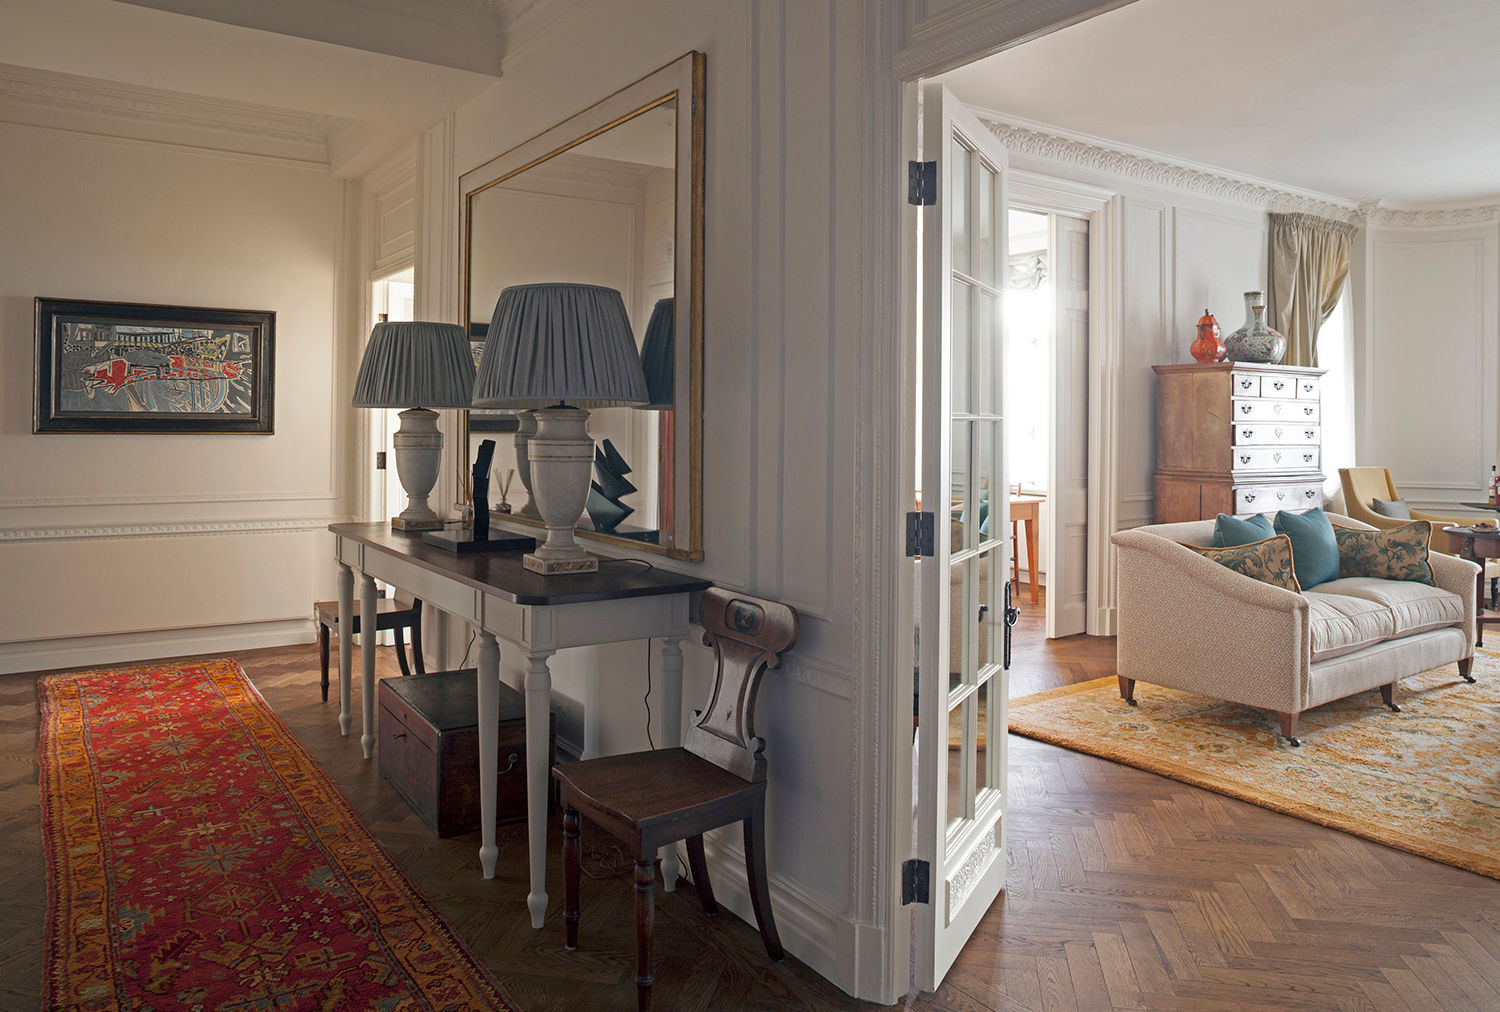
x=1101, y=208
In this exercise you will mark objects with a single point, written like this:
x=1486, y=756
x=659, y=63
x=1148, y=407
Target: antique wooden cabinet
x=1237, y=437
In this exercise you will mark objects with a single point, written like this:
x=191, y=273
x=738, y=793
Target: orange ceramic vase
x=1208, y=347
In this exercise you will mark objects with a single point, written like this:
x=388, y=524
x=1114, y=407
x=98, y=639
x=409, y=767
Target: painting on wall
x=126, y=367
x=485, y=419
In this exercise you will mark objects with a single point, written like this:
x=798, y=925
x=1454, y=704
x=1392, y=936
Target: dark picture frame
x=487, y=419
x=140, y=367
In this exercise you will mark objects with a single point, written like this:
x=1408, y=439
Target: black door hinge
x=919, y=535
x=914, y=876
x=380, y=460
x=921, y=183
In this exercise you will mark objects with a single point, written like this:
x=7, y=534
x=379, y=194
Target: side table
x=1476, y=544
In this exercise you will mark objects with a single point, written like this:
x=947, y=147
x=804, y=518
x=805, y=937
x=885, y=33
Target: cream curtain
x=1309, y=265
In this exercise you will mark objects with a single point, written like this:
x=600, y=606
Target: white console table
x=535, y=616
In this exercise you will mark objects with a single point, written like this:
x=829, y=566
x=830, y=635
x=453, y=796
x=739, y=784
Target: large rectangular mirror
x=612, y=196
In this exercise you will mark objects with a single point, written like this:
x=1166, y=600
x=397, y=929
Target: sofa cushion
x=1314, y=547
x=1231, y=531
x=1344, y=623
x=1414, y=607
x=1269, y=561
x=1399, y=553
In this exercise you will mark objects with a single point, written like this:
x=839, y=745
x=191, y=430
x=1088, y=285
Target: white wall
x=1427, y=355
x=785, y=182
x=111, y=544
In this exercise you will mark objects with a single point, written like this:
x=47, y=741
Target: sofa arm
x=1186, y=622
x=1460, y=576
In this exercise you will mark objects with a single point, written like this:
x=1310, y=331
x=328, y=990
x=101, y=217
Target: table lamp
x=416, y=366
x=560, y=348
x=656, y=355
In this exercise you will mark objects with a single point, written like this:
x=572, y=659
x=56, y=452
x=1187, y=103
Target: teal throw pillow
x=1315, y=550
x=1231, y=532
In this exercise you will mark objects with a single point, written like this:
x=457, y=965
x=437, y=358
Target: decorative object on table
x=128, y=367
x=560, y=348
x=1208, y=347
x=476, y=537
x=1442, y=740
x=604, y=506
x=417, y=366
x=429, y=748
x=657, y=350
x=510, y=476
x=1254, y=341
x=356, y=932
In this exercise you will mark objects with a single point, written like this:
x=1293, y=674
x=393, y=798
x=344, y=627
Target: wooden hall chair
x=389, y=614
x=650, y=799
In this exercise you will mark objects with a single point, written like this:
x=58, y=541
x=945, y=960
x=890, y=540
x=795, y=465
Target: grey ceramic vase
x=1255, y=342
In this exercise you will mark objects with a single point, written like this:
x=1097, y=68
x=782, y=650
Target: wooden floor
x=1126, y=890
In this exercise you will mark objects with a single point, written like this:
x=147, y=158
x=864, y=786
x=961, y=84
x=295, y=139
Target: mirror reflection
x=602, y=212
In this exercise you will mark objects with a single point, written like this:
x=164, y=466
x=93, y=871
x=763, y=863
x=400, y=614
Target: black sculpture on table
x=478, y=538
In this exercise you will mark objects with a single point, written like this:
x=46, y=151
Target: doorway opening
x=392, y=300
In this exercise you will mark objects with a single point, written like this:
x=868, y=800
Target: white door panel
x=1067, y=535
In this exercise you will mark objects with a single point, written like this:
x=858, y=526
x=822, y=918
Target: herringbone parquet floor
x=1126, y=890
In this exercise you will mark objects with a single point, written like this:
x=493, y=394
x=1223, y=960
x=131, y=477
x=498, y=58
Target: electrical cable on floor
x=647, y=697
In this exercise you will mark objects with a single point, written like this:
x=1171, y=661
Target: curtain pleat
x=1309, y=265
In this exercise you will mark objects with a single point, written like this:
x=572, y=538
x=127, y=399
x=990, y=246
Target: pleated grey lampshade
x=656, y=355
x=559, y=343
x=415, y=365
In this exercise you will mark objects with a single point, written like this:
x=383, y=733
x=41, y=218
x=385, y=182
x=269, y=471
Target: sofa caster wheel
x=1470, y=679
x=1393, y=707
x=1131, y=702
x=1294, y=742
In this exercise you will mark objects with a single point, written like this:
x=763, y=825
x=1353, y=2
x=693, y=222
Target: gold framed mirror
x=612, y=196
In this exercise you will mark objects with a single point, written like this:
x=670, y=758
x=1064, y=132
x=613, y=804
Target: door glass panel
x=963, y=522
x=959, y=195
x=987, y=611
x=985, y=480
x=984, y=227
x=960, y=623
x=961, y=729
x=982, y=739
x=984, y=353
x=959, y=341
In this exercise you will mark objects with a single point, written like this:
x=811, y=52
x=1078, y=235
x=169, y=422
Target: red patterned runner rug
x=198, y=858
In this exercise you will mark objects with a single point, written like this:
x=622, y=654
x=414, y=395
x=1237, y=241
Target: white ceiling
x=1360, y=99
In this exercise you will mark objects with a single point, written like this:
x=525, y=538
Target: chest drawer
x=1277, y=458
x=1266, y=410
x=1278, y=386
x=1269, y=498
x=1309, y=387
x=1269, y=433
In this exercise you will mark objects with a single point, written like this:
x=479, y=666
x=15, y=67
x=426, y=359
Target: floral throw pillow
x=1269, y=561
x=1399, y=553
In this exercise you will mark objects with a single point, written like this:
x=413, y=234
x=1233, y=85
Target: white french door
x=1068, y=480
x=962, y=680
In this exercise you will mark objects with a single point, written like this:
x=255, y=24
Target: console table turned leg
x=346, y=644
x=368, y=636
x=488, y=688
x=538, y=772
x=671, y=734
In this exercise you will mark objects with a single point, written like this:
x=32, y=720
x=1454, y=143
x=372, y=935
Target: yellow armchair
x=1364, y=484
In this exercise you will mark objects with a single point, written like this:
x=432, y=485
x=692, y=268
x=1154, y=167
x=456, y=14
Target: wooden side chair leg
x=645, y=922
x=572, y=866
x=323, y=658
x=755, y=869
x=698, y=864
x=1127, y=689
x=401, y=651
x=416, y=637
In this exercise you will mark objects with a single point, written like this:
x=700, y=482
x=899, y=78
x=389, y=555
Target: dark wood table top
x=501, y=574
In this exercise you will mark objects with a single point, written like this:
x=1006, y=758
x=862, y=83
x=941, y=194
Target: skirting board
x=113, y=648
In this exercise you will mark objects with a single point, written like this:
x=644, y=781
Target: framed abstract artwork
x=128, y=367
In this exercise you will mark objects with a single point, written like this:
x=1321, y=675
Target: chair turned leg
x=645, y=920
x=416, y=637
x=401, y=651
x=1388, y=697
x=1464, y=667
x=572, y=866
x=699, y=867
x=1127, y=689
x=323, y=658
x=755, y=869
x=1289, y=728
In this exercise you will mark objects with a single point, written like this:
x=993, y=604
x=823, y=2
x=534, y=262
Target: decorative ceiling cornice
x=129, y=104
x=1042, y=141
x=1377, y=213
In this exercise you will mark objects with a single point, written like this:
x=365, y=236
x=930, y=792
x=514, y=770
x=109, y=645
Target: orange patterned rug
x=198, y=858
x=1426, y=780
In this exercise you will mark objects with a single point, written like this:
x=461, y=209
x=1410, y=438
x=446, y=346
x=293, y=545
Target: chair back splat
x=748, y=635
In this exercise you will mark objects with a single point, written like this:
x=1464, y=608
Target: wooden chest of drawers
x=429, y=748
x=1237, y=437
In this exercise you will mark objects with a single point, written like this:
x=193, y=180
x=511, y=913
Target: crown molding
x=1040, y=140
x=89, y=105
x=1379, y=213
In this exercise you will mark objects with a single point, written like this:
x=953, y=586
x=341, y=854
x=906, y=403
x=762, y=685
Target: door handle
x=1011, y=614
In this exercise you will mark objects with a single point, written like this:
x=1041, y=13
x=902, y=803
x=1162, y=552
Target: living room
x=135, y=547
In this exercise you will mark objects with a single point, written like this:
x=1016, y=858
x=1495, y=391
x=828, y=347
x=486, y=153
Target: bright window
x=1336, y=354
x=1028, y=351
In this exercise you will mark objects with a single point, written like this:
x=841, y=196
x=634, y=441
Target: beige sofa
x=1188, y=623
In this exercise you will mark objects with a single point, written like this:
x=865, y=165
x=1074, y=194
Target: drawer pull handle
x=1244, y=384
x=1309, y=493
x=1276, y=456
x=1280, y=495
x=1248, y=432
x=1276, y=408
x=1278, y=384
x=1307, y=458
x=398, y=737
x=1244, y=458
x=1249, y=496
x=1307, y=411
x=1244, y=409
x=1278, y=433
x=1309, y=433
